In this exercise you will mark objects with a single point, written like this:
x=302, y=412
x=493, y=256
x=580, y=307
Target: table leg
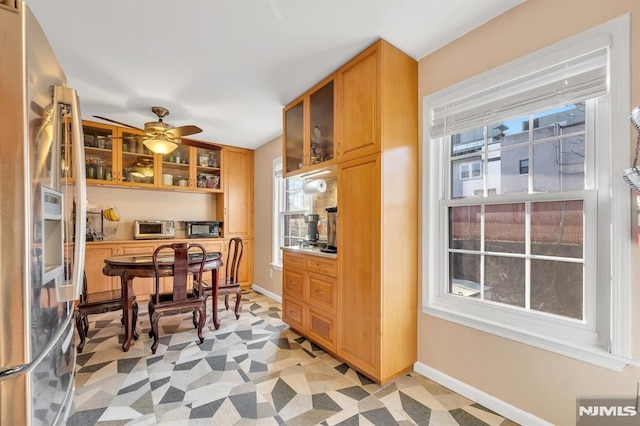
x=127, y=293
x=214, y=297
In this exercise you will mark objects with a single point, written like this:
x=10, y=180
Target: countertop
x=310, y=250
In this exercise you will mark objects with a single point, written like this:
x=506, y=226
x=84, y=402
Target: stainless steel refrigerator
x=42, y=188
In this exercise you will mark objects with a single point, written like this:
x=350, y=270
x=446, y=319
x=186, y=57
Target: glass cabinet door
x=137, y=162
x=175, y=167
x=321, y=140
x=294, y=138
x=207, y=168
x=99, y=152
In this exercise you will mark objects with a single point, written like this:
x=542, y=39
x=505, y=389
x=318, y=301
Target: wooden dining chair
x=99, y=303
x=180, y=299
x=228, y=284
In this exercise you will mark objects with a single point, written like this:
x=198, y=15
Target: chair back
x=234, y=255
x=181, y=266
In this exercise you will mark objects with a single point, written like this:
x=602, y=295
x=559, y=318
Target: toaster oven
x=153, y=229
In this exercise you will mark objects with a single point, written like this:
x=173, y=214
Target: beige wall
x=536, y=381
x=264, y=276
x=133, y=204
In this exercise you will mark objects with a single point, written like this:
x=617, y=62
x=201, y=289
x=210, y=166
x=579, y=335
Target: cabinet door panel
x=293, y=282
x=93, y=264
x=321, y=291
x=359, y=106
x=236, y=204
x=293, y=137
x=293, y=313
x=321, y=265
x=359, y=233
x=321, y=328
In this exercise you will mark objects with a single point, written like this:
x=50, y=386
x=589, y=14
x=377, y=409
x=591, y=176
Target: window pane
x=559, y=165
x=465, y=274
x=557, y=228
x=467, y=142
x=556, y=288
x=505, y=228
x=508, y=132
x=505, y=280
x=559, y=121
x=464, y=227
x=294, y=229
x=504, y=174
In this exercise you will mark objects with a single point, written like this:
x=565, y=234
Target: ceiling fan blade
x=198, y=144
x=118, y=122
x=185, y=130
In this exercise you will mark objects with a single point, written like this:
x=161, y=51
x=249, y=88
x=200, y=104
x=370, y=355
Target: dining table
x=130, y=266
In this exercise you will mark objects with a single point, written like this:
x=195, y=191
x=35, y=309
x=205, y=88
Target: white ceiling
x=229, y=66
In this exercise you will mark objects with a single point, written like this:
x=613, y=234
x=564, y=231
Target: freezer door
x=41, y=394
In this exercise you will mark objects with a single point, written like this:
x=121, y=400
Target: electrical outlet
x=270, y=273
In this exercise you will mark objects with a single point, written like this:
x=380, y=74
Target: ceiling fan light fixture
x=160, y=146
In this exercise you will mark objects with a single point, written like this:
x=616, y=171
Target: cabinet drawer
x=322, y=291
x=321, y=328
x=292, y=259
x=293, y=282
x=321, y=265
x=293, y=313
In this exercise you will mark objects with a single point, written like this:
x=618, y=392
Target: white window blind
x=582, y=77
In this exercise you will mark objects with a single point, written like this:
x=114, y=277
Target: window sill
x=590, y=354
x=276, y=266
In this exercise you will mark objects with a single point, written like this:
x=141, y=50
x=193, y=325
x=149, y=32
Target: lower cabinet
x=95, y=253
x=309, y=296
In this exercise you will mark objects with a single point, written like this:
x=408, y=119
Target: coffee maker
x=311, y=236
x=332, y=228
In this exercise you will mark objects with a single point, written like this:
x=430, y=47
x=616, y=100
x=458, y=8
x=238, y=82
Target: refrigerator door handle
x=68, y=96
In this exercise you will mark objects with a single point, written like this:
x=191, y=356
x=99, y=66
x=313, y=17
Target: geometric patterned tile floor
x=251, y=371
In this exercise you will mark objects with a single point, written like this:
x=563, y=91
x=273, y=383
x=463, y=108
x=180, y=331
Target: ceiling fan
x=160, y=137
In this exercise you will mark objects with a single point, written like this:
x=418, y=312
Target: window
x=524, y=209
x=290, y=206
x=472, y=170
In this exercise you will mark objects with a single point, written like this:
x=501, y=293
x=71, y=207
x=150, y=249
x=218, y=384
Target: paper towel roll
x=314, y=186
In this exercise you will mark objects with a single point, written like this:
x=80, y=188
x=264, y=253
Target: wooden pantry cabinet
x=309, y=296
x=378, y=205
x=372, y=323
x=234, y=206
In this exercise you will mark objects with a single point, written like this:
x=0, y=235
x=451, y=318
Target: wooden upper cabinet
x=377, y=95
x=293, y=137
x=359, y=106
x=137, y=164
x=235, y=205
x=309, y=129
x=100, y=151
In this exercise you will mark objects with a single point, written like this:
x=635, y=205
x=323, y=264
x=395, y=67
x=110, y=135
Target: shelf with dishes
x=117, y=156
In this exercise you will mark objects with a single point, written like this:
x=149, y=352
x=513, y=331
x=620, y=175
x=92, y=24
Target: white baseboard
x=491, y=402
x=267, y=293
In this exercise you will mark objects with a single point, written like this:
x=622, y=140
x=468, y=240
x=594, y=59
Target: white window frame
x=280, y=212
x=604, y=339
x=278, y=206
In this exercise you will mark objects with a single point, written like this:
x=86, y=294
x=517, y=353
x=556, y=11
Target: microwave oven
x=153, y=229
x=204, y=229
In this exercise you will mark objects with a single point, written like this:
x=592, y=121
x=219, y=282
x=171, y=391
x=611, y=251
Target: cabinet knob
x=319, y=292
